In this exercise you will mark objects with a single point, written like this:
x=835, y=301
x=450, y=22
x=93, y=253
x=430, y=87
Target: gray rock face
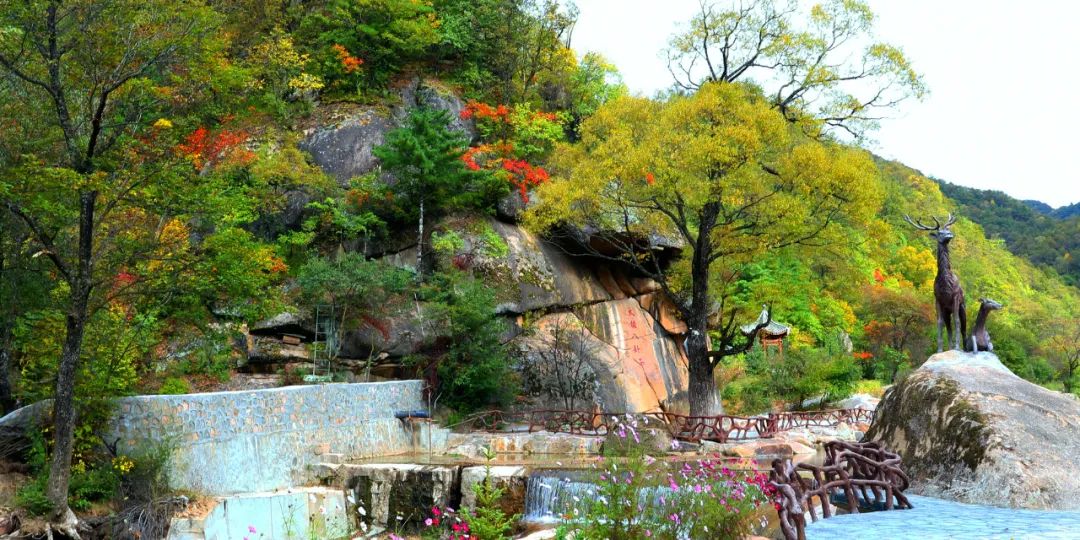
x=533, y=274
x=970, y=430
x=344, y=147
x=345, y=150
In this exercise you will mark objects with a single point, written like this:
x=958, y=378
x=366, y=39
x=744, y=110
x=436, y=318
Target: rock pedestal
x=970, y=430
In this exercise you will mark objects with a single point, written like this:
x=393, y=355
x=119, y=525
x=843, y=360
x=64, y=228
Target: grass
x=873, y=387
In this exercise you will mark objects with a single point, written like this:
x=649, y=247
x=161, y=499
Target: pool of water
x=939, y=519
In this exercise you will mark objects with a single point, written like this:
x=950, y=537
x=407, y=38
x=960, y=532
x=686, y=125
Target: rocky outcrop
x=399, y=496
x=968, y=429
x=512, y=479
x=345, y=149
x=342, y=142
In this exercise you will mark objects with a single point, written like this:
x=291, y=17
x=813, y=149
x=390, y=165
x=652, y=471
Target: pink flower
x=427, y=522
x=251, y=529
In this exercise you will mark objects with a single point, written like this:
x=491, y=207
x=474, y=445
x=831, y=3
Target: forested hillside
x=1048, y=237
x=168, y=184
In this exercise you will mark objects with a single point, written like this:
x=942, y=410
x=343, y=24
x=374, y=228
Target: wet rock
x=970, y=430
x=399, y=496
x=473, y=445
x=512, y=480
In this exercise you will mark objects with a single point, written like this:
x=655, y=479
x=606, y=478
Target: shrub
x=31, y=497
x=487, y=520
x=475, y=371
x=174, y=385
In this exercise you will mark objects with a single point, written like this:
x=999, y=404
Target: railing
x=790, y=420
x=720, y=428
x=859, y=474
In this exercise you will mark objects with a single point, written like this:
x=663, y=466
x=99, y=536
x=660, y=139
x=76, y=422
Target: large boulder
x=342, y=139
x=528, y=273
x=968, y=429
x=344, y=146
x=638, y=367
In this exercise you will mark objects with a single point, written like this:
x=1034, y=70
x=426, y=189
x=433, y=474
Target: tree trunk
x=420, y=241
x=7, y=403
x=64, y=400
x=703, y=398
x=6, y=323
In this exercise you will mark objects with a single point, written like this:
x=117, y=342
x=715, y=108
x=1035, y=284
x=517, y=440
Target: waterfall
x=549, y=493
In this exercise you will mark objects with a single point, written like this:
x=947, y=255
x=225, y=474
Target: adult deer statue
x=948, y=295
x=980, y=338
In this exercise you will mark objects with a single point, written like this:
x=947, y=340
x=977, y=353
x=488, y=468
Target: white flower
x=360, y=510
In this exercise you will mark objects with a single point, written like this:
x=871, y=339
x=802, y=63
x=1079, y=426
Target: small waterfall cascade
x=550, y=493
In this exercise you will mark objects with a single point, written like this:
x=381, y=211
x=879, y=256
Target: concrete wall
x=261, y=440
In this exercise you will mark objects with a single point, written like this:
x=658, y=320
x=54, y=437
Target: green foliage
x=385, y=34
x=31, y=497
x=1045, y=240
x=174, y=386
x=424, y=155
x=801, y=374
x=475, y=370
x=487, y=521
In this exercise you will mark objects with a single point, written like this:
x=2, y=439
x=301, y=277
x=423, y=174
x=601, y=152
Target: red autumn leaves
x=205, y=148
x=349, y=63
x=500, y=156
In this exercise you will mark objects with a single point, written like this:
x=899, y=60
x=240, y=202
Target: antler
x=938, y=225
x=918, y=224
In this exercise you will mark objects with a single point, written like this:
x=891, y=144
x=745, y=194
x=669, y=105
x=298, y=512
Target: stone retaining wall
x=261, y=440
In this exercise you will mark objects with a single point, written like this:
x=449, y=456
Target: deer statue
x=948, y=295
x=980, y=338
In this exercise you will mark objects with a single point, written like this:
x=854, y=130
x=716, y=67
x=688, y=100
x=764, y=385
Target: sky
x=1004, y=78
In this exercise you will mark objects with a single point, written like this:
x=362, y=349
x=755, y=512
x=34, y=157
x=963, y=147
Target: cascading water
x=550, y=493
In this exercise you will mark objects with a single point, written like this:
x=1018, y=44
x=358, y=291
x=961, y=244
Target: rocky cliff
x=968, y=429
x=630, y=336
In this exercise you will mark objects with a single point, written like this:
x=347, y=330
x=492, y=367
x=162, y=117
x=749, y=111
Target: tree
x=1063, y=346
x=91, y=74
x=474, y=372
x=896, y=318
x=831, y=70
x=722, y=176
x=359, y=290
x=424, y=157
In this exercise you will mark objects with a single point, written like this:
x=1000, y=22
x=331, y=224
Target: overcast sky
x=1003, y=108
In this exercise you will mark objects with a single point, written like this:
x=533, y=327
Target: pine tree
x=424, y=157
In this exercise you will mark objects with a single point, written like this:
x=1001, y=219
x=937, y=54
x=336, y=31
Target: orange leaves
x=497, y=157
x=524, y=176
x=349, y=63
x=204, y=148
x=483, y=111
x=879, y=276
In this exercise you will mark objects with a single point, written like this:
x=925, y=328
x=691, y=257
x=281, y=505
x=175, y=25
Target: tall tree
x=84, y=69
x=829, y=68
x=424, y=157
x=722, y=174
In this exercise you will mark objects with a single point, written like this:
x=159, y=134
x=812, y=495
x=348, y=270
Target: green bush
x=488, y=521
x=174, y=385
x=31, y=497
x=475, y=371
